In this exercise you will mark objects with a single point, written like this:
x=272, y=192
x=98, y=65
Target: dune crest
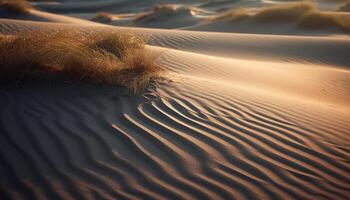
x=15, y=6
x=166, y=10
x=303, y=14
x=103, y=17
x=345, y=7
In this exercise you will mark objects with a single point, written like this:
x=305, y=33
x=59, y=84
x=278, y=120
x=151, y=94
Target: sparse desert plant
x=114, y=58
x=117, y=44
x=15, y=6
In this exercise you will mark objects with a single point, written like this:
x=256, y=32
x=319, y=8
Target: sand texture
x=245, y=109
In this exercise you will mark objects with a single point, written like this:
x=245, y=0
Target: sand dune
x=234, y=116
x=20, y=9
x=326, y=50
x=178, y=15
x=345, y=7
x=291, y=18
x=125, y=148
x=263, y=17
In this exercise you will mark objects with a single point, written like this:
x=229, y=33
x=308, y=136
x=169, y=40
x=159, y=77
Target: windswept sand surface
x=237, y=116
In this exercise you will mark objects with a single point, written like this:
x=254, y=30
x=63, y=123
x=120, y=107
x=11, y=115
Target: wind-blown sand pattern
x=237, y=116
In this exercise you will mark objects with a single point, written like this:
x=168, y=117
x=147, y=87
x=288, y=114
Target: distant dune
x=161, y=11
x=345, y=7
x=103, y=17
x=15, y=6
x=168, y=16
x=303, y=14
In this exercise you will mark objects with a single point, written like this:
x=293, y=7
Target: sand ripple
x=205, y=135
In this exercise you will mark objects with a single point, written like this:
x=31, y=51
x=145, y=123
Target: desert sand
x=249, y=105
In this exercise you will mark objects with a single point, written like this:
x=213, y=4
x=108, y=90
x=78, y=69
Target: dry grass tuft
x=15, y=6
x=114, y=58
x=103, y=17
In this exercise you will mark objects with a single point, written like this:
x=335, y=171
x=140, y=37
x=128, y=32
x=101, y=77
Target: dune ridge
x=345, y=7
x=170, y=138
x=321, y=50
x=103, y=17
x=15, y=6
x=166, y=10
x=304, y=14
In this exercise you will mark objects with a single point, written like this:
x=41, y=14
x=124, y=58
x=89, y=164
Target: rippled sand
x=258, y=113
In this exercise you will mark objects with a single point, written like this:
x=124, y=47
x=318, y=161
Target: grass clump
x=15, y=6
x=113, y=58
